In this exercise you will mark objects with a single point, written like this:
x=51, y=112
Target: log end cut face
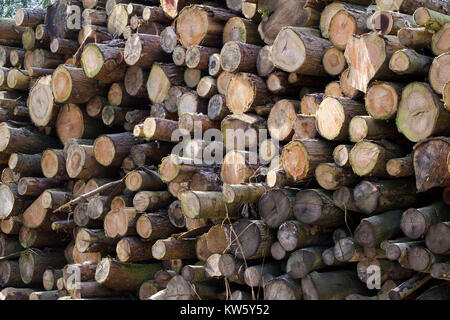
x=413, y=223
x=133, y=77
x=294, y=159
x=330, y=118
x=344, y=249
x=365, y=234
x=438, y=238
x=169, y=168
x=49, y=163
x=70, y=123
x=159, y=250
x=61, y=84
x=234, y=169
x=418, y=259
x=190, y=204
x=41, y=103
x=366, y=195
x=5, y=137
x=381, y=101
x=364, y=156
x=439, y=73
x=274, y=207
x=102, y=271
x=158, y=84
x=83, y=240
x=281, y=120
x=247, y=241
x=358, y=129
x=133, y=49
x=308, y=206
x=288, y=235
x=240, y=93
x=92, y=60
x=441, y=40
x=26, y=266
x=279, y=289
x=123, y=250
x=7, y=200
x=230, y=56
x=418, y=112
x=104, y=150
x=192, y=26
x=235, y=30
x=342, y=27
x=334, y=61
x=75, y=161
x=288, y=51
x=144, y=227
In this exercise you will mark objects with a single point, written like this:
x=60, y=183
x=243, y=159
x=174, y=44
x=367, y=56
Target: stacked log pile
x=162, y=150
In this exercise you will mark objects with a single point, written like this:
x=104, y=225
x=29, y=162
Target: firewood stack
x=334, y=184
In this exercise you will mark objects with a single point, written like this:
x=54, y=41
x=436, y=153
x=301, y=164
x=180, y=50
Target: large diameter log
x=431, y=163
x=281, y=119
x=303, y=261
x=314, y=206
x=293, y=235
x=42, y=108
x=33, y=263
x=439, y=43
x=71, y=85
x=124, y=276
x=242, y=30
x=374, y=197
x=371, y=63
x=209, y=22
x=251, y=239
x=416, y=223
x=345, y=23
x=440, y=270
x=334, y=115
x=308, y=59
x=283, y=287
x=103, y=62
x=332, y=285
x=370, y=158
x=110, y=150
x=154, y=226
x=373, y=230
x=238, y=56
x=382, y=99
x=29, y=17
x=276, y=206
x=300, y=158
x=12, y=204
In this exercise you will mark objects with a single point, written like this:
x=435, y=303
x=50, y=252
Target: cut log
x=197, y=57
x=382, y=99
x=416, y=223
x=25, y=164
x=251, y=239
x=103, y=62
x=200, y=204
x=293, y=235
x=420, y=113
x=150, y=153
x=437, y=238
x=374, y=197
x=415, y=38
x=174, y=249
x=346, y=23
x=237, y=56
x=131, y=249
x=235, y=127
x=94, y=240
x=33, y=263
x=430, y=19
x=161, y=78
x=334, y=62
x=389, y=22
x=438, y=75
x=407, y=61
x=431, y=173
x=24, y=140
x=53, y=163
x=331, y=176
x=409, y=6
x=400, y=167
x=309, y=58
x=341, y=155
x=283, y=287
x=81, y=163
x=334, y=115
x=281, y=119
x=303, y=261
x=245, y=91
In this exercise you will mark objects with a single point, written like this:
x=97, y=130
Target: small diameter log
x=193, y=273
x=207, y=204
x=439, y=43
x=293, y=235
x=12, y=204
x=18, y=80
x=415, y=38
x=300, y=158
x=238, y=56
x=389, y=22
x=81, y=163
x=346, y=23
x=283, y=287
x=94, y=240
x=63, y=46
x=433, y=173
x=409, y=6
x=53, y=163
x=334, y=115
x=29, y=17
x=316, y=207
x=218, y=238
x=233, y=127
x=161, y=78
x=408, y=61
x=409, y=286
x=195, y=122
x=171, y=248
x=365, y=127
x=24, y=140
x=421, y=259
x=148, y=289
x=11, y=225
x=150, y=153
x=281, y=119
x=236, y=193
x=303, y=261
x=42, y=108
x=124, y=276
x=16, y=57
x=153, y=14
x=33, y=263
x=437, y=238
x=369, y=158
x=330, y=176
x=430, y=19
x=242, y=30
x=309, y=59
x=35, y=186
x=131, y=249
x=332, y=285
x=333, y=61
x=197, y=57
x=49, y=278
x=374, y=197
x=438, y=76
x=143, y=180
x=244, y=92
x=209, y=22
x=16, y=293
x=341, y=155
x=382, y=99
x=400, y=167
x=154, y=226
x=346, y=89
x=207, y=87
x=251, y=239
x=110, y=150
x=71, y=85
x=416, y=223
x=151, y=200
x=25, y=164
x=373, y=230
x=365, y=65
